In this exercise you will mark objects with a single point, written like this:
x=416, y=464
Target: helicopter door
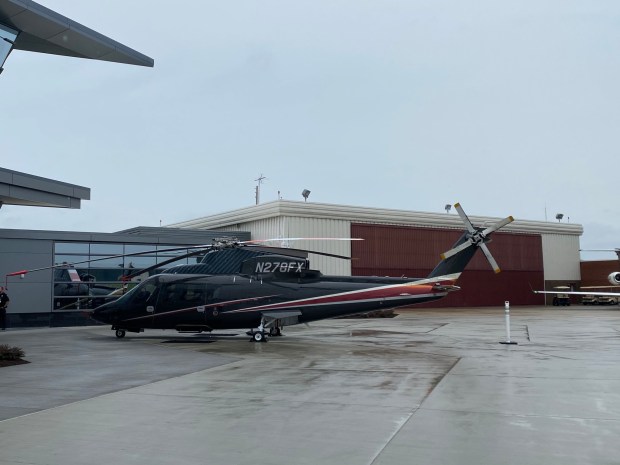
x=144, y=301
x=180, y=305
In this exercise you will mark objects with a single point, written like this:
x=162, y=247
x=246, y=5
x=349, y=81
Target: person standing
x=4, y=303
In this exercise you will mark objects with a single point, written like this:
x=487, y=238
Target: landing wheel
x=259, y=336
x=275, y=331
x=120, y=333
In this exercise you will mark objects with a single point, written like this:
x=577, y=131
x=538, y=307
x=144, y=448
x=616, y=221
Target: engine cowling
x=614, y=278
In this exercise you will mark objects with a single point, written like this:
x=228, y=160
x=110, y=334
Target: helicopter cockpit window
x=145, y=293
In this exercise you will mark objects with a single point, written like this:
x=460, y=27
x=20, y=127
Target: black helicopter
x=266, y=291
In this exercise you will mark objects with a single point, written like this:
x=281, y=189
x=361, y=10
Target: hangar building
x=531, y=254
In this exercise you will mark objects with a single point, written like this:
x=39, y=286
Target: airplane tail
x=456, y=259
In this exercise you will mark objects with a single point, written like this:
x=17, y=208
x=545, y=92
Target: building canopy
x=25, y=189
x=26, y=25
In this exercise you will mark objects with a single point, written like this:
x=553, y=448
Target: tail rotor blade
x=456, y=249
x=498, y=225
x=490, y=258
x=464, y=217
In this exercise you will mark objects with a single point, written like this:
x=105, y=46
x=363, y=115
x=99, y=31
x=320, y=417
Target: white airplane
x=613, y=278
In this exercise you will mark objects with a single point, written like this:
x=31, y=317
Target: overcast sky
x=511, y=108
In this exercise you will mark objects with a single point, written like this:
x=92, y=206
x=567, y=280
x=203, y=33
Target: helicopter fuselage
x=208, y=302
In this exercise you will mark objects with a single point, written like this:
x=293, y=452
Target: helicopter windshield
x=145, y=292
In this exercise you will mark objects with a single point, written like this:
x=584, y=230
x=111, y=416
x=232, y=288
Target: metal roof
x=356, y=214
x=45, y=31
x=25, y=189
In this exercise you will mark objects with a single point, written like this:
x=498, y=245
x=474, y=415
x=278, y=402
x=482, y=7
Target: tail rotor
x=477, y=237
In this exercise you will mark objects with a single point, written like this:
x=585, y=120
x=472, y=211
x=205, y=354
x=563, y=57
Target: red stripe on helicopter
x=408, y=290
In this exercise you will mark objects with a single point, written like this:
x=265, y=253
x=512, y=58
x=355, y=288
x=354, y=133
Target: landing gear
x=275, y=331
x=256, y=335
x=260, y=334
x=120, y=331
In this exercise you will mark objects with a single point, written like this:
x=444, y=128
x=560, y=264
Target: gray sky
x=507, y=107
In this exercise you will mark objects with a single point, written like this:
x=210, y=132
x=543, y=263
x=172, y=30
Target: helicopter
x=249, y=285
x=269, y=291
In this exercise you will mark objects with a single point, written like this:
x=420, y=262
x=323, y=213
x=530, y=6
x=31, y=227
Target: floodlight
x=559, y=216
x=305, y=193
x=448, y=207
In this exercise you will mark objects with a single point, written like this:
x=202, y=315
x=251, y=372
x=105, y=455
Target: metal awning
x=25, y=189
x=45, y=31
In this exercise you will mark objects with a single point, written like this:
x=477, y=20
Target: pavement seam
x=418, y=408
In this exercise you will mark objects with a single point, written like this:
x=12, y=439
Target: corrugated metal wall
x=292, y=226
x=561, y=257
x=414, y=252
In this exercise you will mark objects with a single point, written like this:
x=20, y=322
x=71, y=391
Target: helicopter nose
x=101, y=314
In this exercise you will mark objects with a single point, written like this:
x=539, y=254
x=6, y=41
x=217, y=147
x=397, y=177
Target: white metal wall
x=561, y=257
x=294, y=227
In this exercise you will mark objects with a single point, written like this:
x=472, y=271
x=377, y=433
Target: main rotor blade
x=465, y=218
x=490, y=258
x=285, y=239
x=285, y=249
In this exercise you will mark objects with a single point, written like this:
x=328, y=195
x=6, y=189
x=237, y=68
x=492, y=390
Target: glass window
x=71, y=260
x=101, y=270
x=106, y=274
x=106, y=249
x=6, y=45
x=164, y=250
x=71, y=247
x=141, y=261
x=135, y=248
x=100, y=262
x=146, y=294
x=181, y=295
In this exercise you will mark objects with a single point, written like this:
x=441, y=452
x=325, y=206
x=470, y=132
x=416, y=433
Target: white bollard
x=507, y=320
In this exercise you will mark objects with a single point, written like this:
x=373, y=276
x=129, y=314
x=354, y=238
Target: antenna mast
x=260, y=181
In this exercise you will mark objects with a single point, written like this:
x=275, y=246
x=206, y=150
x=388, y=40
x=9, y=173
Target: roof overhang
x=24, y=189
x=290, y=208
x=45, y=31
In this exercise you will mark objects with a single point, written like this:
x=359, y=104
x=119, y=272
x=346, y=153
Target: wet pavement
x=427, y=387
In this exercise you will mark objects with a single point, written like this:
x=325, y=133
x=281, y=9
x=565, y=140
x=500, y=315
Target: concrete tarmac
x=427, y=387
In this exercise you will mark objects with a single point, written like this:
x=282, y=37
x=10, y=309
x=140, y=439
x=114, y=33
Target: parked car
x=607, y=300
x=599, y=300
x=590, y=300
x=561, y=299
